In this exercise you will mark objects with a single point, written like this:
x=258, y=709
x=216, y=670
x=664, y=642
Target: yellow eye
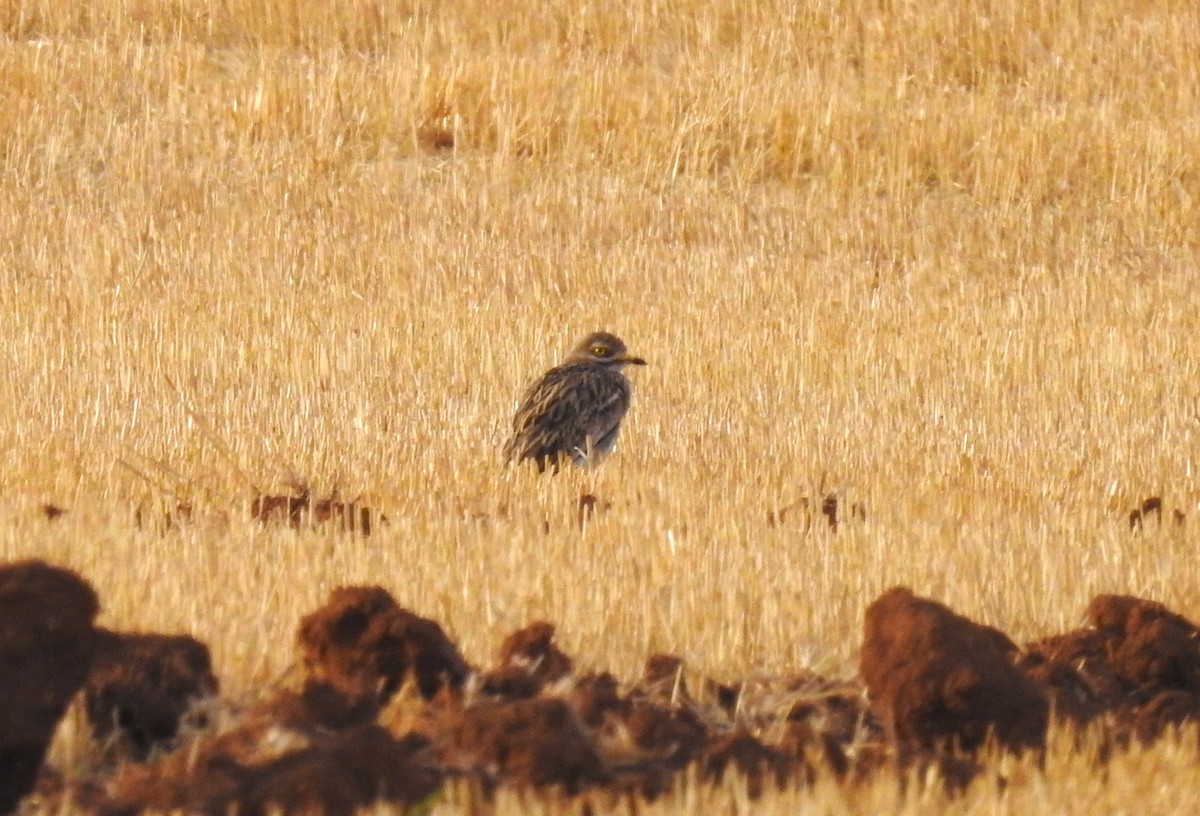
x=600, y=351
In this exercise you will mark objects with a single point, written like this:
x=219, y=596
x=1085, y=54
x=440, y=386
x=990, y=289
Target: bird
x=575, y=410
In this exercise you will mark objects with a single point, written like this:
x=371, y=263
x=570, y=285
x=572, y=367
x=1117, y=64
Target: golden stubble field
x=939, y=258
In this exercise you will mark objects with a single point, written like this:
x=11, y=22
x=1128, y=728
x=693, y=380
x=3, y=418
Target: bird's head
x=603, y=348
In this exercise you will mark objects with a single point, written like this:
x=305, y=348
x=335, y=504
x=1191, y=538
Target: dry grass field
x=938, y=257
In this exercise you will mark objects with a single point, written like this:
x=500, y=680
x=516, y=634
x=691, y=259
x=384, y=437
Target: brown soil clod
x=343, y=772
x=334, y=774
x=530, y=743
x=1138, y=664
x=46, y=646
x=805, y=744
x=302, y=509
x=1166, y=711
x=363, y=644
x=164, y=516
x=528, y=660
x=674, y=736
x=939, y=681
x=319, y=706
x=596, y=696
x=1156, y=648
x=830, y=507
x=288, y=509
x=662, y=678
x=1153, y=506
x=436, y=130
x=590, y=506
x=1150, y=506
x=757, y=763
x=142, y=685
x=339, y=738
x=53, y=512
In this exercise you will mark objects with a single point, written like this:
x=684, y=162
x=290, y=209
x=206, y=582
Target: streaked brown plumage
x=575, y=409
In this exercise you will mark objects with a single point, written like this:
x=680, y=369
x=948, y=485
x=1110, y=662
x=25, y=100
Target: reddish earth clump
x=756, y=762
x=436, y=130
x=1166, y=711
x=590, y=505
x=387, y=709
x=1138, y=661
x=335, y=774
x=806, y=744
x=662, y=675
x=528, y=660
x=318, y=748
x=1078, y=691
x=595, y=696
x=319, y=706
x=675, y=736
x=939, y=681
x=1155, y=648
x=831, y=507
x=1153, y=506
x=141, y=686
x=53, y=512
x=1148, y=507
x=530, y=743
x=46, y=647
x=302, y=509
x=164, y=516
x=363, y=644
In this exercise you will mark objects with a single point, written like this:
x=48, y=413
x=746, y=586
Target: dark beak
x=627, y=360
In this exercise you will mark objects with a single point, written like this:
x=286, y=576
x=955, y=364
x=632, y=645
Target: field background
x=938, y=257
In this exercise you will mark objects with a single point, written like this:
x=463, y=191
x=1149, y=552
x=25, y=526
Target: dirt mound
x=365, y=645
x=756, y=762
x=384, y=713
x=1155, y=648
x=302, y=510
x=319, y=706
x=1153, y=506
x=53, y=512
x=1165, y=712
x=141, y=686
x=335, y=774
x=1079, y=690
x=528, y=660
x=939, y=681
x=46, y=647
x=809, y=748
x=1138, y=662
x=318, y=748
x=676, y=737
x=832, y=507
x=595, y=696
x=528, y=743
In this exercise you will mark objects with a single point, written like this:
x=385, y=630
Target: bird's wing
x=566, y=408
x=543, y=424
x=603, y=416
